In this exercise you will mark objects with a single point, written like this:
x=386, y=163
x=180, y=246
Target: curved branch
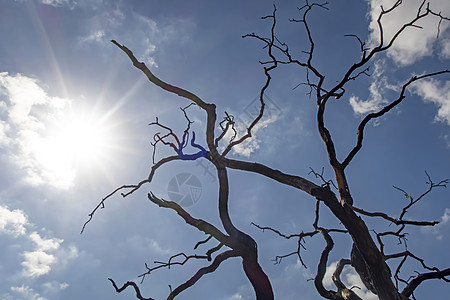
x=203, y=271
x=337, y=273
x=170, y=263
x=270, y=45
x=210, y=109
x=127, y=284
x=155, y=80
x=322, y=267
x=133, y=187
x=409, y=289
x=387, y=108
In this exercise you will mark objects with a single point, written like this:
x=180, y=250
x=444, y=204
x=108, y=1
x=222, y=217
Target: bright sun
x=75, y=142
x=84, y=140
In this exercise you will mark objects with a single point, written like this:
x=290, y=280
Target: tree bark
x=258, y=279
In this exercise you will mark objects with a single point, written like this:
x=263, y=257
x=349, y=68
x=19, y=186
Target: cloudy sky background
x=73, y=127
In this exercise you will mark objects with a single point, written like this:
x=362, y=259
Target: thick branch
x=210, y=109
x=290, y=180
x=155, y=80
x=197, y=223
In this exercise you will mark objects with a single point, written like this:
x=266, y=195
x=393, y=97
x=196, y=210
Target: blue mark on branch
x=181, y=146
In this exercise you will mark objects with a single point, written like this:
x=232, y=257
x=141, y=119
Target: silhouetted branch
x=366, y=257
x=413, y=284
x=170, y=263
x=270, y=44
x=326, y=183
x=155, y=80
x=301, y=236
x=322, y=266
x=393, y=220
x=229, y=123
x=385, y=109
x=404, y=255
x=202, y=242
x=197, y=223
x=203, y=271
x=132, y=187
x=337, y=273
x=127, y=284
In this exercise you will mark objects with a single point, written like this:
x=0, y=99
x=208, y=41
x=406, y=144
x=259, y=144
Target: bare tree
x=366, y=255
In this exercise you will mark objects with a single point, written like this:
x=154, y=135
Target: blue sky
x=73, y=127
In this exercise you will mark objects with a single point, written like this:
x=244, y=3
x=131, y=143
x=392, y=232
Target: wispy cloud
x=54, y=286
x=377, y=89
x=243, y=119
x=438, y=230
x=140, y=33
x=245, y=292
x=94, y=36
x=250, y=145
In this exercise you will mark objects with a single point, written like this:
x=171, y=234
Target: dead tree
x=367, y=253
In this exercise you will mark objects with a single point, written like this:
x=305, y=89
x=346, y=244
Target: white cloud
x=54, y=286
x=350, y=279
x=25, y=114
x=37, y=263
x=54, y=2
x=139, y=33
x=136, y=32
x=437, y=92
x=377, y=89
x=414, y=43
x=272, y=113
x=94, y=36
x=45, y=244
x=245, y=292
x=27, y=293
x=59, y=3
x=439, y=228
x=327, y=281
x=12, y=221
